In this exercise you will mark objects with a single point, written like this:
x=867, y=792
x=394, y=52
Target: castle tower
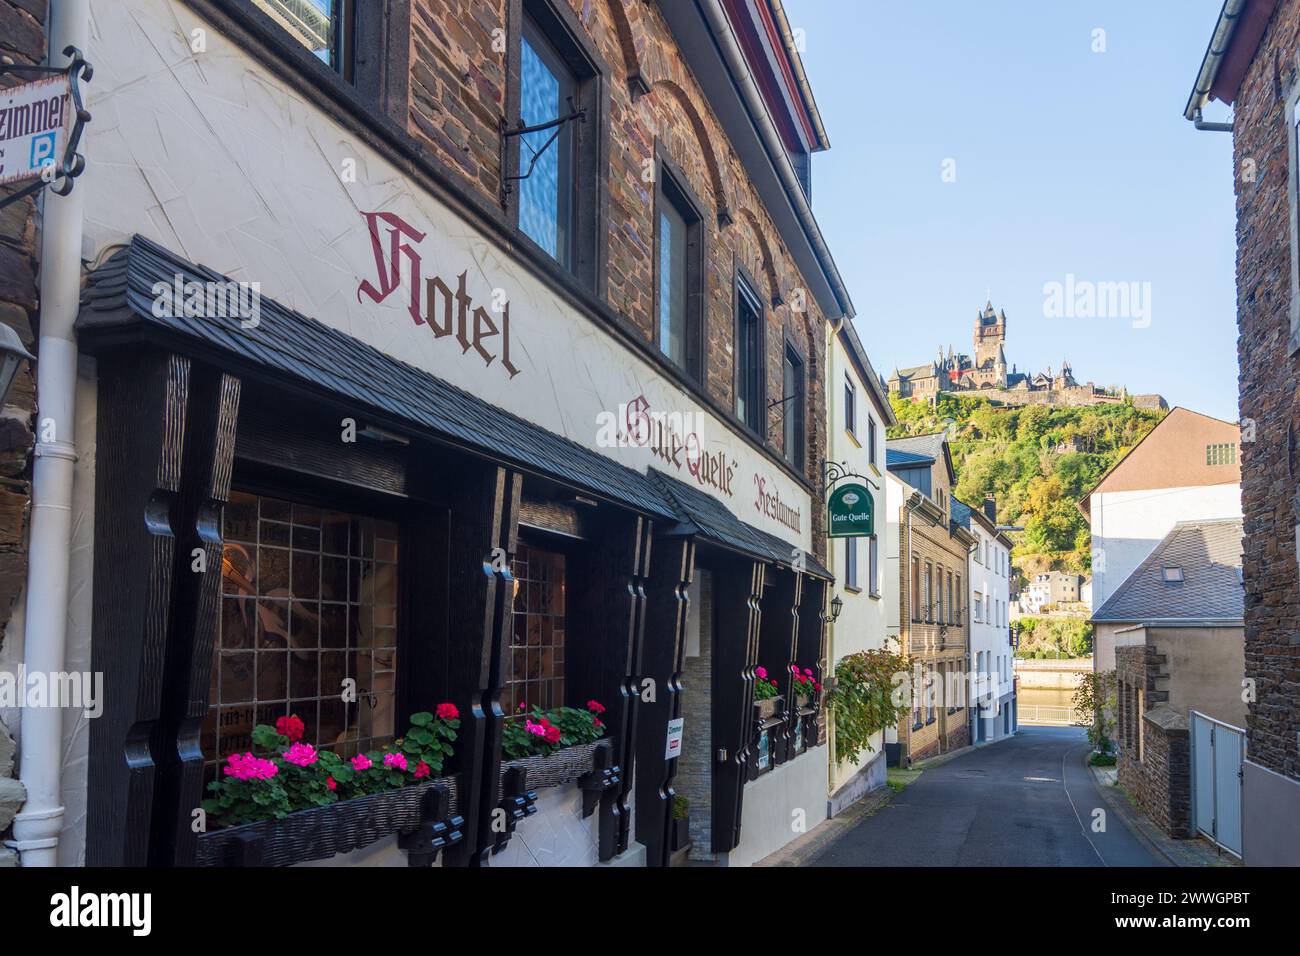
x=990, y=334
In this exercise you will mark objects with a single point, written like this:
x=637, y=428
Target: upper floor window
x=916, y=588
x=793, y=420
x=873, y=565
x=325, y=27
x=547, y=93
x=1221, y=454
x=749, y=357
x=553, y=186
x=679, y=295
x=871, y=440
x=851, y=563
x=850, y=406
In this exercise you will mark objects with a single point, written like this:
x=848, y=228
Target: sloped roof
x=913, y=450
x=921, y=371
x=1209, y=553
x=961, y=513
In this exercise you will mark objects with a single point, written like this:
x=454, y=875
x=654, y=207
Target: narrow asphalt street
x=1028, y=801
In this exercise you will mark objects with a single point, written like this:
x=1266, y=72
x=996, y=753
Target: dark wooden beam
x=141, y=421
x=662, y=662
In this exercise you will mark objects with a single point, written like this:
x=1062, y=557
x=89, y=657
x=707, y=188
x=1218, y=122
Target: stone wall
x=694, y=779
x=1268, y=376
x=1154, y=745
x=22, y=38
x=458, y=96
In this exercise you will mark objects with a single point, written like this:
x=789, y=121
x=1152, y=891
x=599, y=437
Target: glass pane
x=546, y=195
x=298, y=617
x=312, y=23
x=537, y=636
x=672, y=283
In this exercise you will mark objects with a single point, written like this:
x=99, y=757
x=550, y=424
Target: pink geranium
x=361, y=762
x=536, y=729
x=395, y=761
x=247, y=767
x=808, y=671
x=760, y=672
x=303, y=755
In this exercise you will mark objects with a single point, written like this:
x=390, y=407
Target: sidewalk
x=1194, y=852
x=803, y=850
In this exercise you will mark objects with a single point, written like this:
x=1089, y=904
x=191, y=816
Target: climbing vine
x=870, y=694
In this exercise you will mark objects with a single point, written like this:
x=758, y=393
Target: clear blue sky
x=1067, y=161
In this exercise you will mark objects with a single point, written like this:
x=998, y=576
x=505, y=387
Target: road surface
x=1028, y=801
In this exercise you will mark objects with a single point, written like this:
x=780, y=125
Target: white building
x=992, y=676
x=1185, y=469
x=859, y=412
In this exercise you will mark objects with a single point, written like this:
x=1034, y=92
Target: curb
x=938, y=761
x=801, y=851
x=1179, y=853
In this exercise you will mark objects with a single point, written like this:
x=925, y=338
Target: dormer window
x=1171, y=574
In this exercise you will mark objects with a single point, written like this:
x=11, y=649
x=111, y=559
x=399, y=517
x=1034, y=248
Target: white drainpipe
x=37, y=827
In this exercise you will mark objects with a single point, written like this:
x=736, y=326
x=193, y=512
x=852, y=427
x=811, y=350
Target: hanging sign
x=852, y=512
x=34, y=123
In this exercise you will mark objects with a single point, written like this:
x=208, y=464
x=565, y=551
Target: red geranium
x=291, y=726
x=448, y=712
x=595, y=706
x=331, y=783
x=421, y=770
x=552, y=734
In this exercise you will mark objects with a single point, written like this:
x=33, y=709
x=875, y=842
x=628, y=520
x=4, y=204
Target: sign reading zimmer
x=33, y=127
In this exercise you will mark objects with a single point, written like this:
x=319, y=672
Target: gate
x=1218, y=750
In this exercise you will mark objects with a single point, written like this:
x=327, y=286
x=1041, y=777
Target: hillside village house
x=1051, y=588
x=435, y=352
x=1186, y=468
x=992, y=651
x=1178, y=648
x=1251, y=64
x=931, y=551
x=859, y=416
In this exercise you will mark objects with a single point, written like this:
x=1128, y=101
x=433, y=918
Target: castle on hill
x=988, y=374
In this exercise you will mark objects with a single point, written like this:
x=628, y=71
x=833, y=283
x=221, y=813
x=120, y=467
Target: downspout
x=37, y=827
x=720, y=27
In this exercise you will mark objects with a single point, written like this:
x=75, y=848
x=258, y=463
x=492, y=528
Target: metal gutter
x=733, y=57
x=1214, y=53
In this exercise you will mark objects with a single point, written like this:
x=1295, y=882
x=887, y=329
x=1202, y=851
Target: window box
x=319, y=833
x=764, y=709
x=558, y=768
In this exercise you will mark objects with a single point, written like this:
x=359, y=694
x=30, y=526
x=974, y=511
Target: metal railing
x=1045, y=715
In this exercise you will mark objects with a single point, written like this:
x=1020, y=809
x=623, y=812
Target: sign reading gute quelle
x=852, y=512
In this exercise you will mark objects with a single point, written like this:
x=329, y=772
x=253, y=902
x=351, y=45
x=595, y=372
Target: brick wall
x=22, y=38
x=1270, y=466
x=458, y=96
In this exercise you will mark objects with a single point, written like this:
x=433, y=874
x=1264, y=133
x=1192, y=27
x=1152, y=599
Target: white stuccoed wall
x=1127, y=525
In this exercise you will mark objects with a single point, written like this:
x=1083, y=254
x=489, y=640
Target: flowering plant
x=287, y=773
x=805, y=684
x=538, y=733
x=765, y=688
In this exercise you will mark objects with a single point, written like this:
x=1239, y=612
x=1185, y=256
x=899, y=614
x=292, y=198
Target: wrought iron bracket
x=437, y=831
x=508, y=132
x=834, y=472
x=73, y=163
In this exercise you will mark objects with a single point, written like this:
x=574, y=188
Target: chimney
x=991, y=510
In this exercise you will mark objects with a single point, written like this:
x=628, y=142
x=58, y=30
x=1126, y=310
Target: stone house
x=1251, y=64
x=500, y=323
x=932, y=551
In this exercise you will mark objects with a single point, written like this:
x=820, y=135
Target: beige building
x=933, y=554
